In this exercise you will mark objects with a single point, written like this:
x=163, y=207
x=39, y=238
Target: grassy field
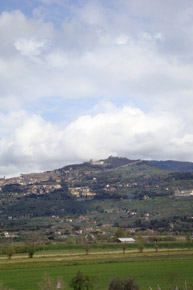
x=148, y=268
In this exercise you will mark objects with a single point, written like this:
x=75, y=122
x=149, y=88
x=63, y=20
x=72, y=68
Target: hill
x=173, y=165
x=109, y=193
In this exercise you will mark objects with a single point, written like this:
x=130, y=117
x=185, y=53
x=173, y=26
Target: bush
x=125, y=284
x=82, y=281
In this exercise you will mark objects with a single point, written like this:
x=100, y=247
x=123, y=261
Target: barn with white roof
x=126, y=240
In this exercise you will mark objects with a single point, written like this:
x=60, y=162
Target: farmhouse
x=126, y=240
x=184, y=192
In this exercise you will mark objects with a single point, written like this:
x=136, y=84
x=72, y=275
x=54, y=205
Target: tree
x=86, y=247
x=89, y=238
x=123, y=247
x=89, y=282
x=140, y=247
x=188, y=236
x=141, y=243
x=77, y=282
x=31, y=251
x=10, y=251
x=12, y=188
x=82, y=281
x=120, y=233
x=125, y=284
x=34, y=237
x=156, y=246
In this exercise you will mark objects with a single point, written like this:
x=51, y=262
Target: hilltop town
x=81, y=179
x=96, y=197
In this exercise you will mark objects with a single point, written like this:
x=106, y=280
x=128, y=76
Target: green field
x=148, y=268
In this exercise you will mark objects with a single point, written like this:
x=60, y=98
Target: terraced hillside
x=102, y=195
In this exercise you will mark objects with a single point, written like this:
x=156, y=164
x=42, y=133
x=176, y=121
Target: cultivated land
x=86, y=207
x=165, y=267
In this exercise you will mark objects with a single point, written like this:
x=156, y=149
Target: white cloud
x=122, y=39
x=132, y=52
x=30, y=47
x=30, y=143
x=91, y=13
x=15, y=24
x=128, y=132
x=86, y=59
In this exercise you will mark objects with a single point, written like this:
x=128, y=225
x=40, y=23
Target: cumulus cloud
x=30, y=143
x=130, y=52
x=89, y=57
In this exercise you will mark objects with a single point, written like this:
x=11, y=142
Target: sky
x=86, y=79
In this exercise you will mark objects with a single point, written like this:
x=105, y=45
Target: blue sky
x=88, y=79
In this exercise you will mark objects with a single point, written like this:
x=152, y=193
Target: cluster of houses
x=183, y=193
x=82, y=191
x=34, y=183
x=45, y=182
x=7, y=235
x=85, y=232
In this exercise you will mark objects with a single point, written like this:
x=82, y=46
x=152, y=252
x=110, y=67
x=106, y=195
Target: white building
x=126, y=240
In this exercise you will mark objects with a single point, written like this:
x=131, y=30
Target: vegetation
x=141, y=243
x=3, y=287
x=132, y=198
x=123, y=247
x=148, y=268
x=87, y=247
x=49, y=283
x=31, y=251
x=128, y=194
x=123, y=284
x=82, y=281
x=10, y=251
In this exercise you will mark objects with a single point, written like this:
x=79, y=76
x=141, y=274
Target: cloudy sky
x=82, y=79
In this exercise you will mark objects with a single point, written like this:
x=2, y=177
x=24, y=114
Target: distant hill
x=173, y=165
x=109, y=163
x=153, y=195
x=115, y=162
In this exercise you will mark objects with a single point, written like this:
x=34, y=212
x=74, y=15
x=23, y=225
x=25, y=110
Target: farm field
x=147, y=268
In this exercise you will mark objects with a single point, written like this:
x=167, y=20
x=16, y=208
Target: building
x=184, y=192
x=126, y=240
x=83, y=191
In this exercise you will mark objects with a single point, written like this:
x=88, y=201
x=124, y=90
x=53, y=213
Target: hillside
x=109, y=193
x=173, y=165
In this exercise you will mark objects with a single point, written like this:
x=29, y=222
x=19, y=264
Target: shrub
x=125, y=284
x=31, y=251
x=82, y=281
